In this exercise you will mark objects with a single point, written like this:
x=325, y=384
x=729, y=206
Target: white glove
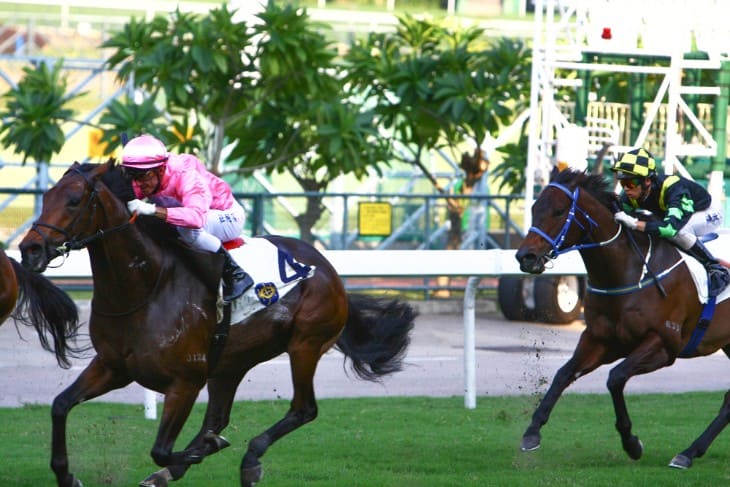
x=141, y=207
x=626, y=219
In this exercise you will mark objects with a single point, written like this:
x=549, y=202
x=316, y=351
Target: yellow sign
x=375, y=219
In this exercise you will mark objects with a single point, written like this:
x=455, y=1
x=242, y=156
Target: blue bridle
x=557, y=242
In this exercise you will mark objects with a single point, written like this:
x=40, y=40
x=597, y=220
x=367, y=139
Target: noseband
x=557, y=242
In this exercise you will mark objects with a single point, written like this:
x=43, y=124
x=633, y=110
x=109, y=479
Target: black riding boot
x=235, y=279
x=717, y=274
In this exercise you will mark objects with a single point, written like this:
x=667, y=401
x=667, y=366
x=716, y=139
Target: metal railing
x=419, y=221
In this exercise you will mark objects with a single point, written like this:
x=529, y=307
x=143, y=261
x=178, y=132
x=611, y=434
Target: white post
x=150, y=404
x=470, y=376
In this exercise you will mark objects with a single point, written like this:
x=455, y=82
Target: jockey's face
x=149, y=182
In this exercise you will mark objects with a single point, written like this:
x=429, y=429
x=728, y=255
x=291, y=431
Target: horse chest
x=621, y=329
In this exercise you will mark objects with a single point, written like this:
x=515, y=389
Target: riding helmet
x=635, y=163
x=144, y=152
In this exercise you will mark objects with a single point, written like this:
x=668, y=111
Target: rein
x=558, y=241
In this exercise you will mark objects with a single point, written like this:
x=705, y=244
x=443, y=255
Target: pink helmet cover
x=144, y=152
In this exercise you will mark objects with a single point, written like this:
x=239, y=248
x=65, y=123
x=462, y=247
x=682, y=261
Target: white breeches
x=220, y=226
x=699, y=224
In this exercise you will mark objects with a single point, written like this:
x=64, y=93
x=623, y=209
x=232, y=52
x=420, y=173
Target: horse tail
x=50, y=311
x=376, y=335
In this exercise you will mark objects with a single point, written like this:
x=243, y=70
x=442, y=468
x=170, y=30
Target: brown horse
x=34, y=301
x=641, y=305
x=153, y=319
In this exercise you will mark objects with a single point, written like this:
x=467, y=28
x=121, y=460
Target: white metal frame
x=565, y=29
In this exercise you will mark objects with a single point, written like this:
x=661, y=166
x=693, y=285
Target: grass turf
x=416, y=441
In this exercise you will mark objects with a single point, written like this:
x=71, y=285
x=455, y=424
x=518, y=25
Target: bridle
x=557, y=246
x=73, y=243
x=557, y=243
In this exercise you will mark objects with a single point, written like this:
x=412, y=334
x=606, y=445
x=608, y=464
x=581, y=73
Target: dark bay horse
x=34, y=301
x=153, y=318
x=643, y=313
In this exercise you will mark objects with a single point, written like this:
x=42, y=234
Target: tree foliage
x=34, y=111
x=197, y=68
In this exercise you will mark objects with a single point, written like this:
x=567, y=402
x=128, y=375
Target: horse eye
x=558, y=212
x=74, y=202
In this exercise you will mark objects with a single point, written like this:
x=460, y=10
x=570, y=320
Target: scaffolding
x=663, y=38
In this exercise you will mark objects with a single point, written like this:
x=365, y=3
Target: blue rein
x=557, y=242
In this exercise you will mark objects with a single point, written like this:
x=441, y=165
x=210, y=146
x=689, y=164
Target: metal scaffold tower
x=668, y=39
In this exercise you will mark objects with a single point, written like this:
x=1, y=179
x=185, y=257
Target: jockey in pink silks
x=209, y=214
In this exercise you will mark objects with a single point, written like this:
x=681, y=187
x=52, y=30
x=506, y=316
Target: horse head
x=79, y=209
x=573, y=212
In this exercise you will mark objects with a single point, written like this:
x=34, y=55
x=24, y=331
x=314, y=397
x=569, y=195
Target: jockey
x=684, y=209
x=209, y=213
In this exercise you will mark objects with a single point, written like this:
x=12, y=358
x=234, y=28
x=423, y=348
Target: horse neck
x=124, y=259
x=608, y=264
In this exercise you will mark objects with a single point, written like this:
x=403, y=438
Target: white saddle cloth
x=274, y=273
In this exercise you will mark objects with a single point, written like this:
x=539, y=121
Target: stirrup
x=236, y=289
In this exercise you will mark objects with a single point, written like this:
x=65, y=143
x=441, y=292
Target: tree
x=308, y=122
x=273, y=90
x=197, y=68
x=288, y=102
x=34, y=111
x=435, y=88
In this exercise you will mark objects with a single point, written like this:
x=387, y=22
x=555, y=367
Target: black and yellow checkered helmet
x=635, y=163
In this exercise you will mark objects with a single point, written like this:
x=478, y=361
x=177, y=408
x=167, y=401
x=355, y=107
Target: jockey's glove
x=141, y=207
x=624, y=218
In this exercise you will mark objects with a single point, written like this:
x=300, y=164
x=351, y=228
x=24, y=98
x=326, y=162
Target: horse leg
x=701, y=444
x=303, y=409
x=647, y=357
x=179, y=401
x=221, y=393
x=588, y=355
x=94, y=381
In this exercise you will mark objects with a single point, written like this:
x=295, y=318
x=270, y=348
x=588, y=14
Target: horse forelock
x=595, y=184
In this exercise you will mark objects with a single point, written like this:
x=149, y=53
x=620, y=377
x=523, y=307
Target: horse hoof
x=76, y=482
x=634, y=448
x=681, y=461
x=530, y=443
x=216, y=441
x=250, y=476
x=160, y=478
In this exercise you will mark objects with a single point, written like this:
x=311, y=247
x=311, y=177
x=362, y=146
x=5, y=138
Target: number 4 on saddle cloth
x=273, y=270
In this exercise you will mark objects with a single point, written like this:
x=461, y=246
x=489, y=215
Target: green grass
x=383, y=442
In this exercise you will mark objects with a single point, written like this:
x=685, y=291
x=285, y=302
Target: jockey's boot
x=717, y=274
x=235, y=280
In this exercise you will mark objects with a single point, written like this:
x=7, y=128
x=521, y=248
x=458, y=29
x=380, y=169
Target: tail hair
x=377, y=335
x=54, y=315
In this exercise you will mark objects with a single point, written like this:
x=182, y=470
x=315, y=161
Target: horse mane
x=597, y=185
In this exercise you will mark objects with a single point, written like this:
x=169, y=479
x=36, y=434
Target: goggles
x=630, y=183
x=142, y=176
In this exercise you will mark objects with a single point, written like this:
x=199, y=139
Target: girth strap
x=708, y=310
x=220, y=336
